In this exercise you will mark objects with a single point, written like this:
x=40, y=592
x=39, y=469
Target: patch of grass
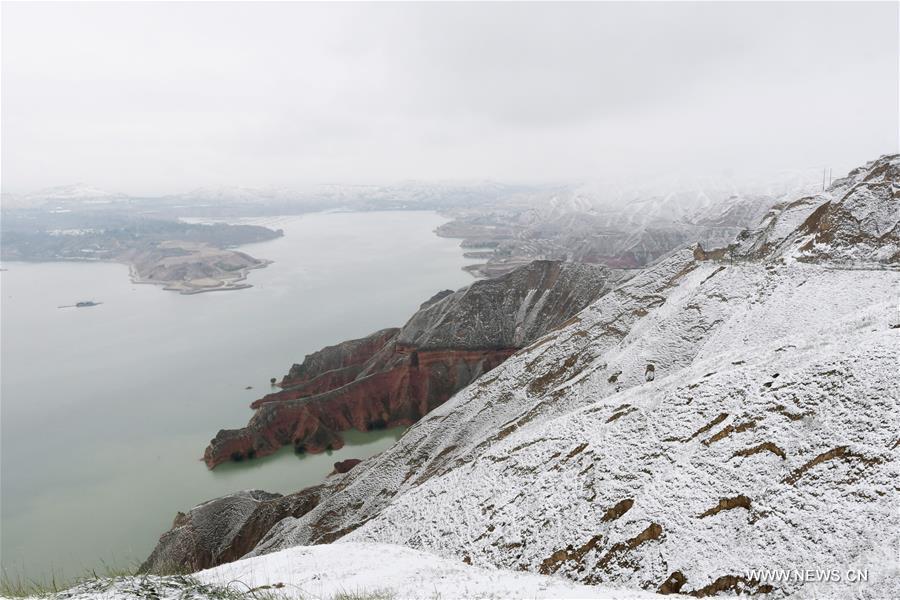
x=137, y=588
x=127, y=584
x=17, y=585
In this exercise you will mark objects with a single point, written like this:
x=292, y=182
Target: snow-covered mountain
x=225, y=194
x=721, y=423
x=705, y=419
x=77, y=191
x=82, y=193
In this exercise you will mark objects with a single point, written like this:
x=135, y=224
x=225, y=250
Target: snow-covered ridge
x=856, y=221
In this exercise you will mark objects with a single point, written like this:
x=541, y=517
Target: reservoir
x=106, y=410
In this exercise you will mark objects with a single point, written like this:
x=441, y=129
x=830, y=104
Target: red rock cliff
x=395, y=376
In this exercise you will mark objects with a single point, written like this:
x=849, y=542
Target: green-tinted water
x=106, y=410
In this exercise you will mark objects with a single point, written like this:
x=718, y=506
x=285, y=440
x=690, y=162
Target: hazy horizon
x=152, y=99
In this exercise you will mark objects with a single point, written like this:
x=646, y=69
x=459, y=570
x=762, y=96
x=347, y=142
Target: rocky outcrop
x=224, y=529
x=862, y=222
x=395, y=376
x=342, y=466
x=856, y=221
x=507, y=312
x=339, y=359
x=411, y=384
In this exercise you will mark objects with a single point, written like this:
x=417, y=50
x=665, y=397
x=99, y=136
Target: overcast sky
x=156, y=98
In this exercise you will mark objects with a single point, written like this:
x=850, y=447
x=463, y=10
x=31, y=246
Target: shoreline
x=234, y=280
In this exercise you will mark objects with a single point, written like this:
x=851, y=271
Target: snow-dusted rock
x=509, y=311
x=856, y=221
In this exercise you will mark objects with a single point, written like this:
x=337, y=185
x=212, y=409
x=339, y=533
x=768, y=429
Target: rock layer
x=224, y=529
x=394, y=377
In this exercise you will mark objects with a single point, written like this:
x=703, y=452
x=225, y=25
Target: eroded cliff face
x=224, y=529
x=396, y=376
x=311, y=416
x=338, y=361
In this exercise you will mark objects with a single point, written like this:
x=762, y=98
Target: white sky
x=157, y=98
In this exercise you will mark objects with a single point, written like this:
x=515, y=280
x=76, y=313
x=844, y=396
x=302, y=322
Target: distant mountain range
x=563, y=197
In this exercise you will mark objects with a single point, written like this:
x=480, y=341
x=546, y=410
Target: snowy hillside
x=856, y=222
x=346, y=571
x=724, y=422
x=330, y=569
x=703, y=420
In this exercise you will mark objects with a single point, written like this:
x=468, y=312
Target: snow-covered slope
x=345, y=571
x=328, y=570
x=705, y=419
x=855, y=222
x=743, y=426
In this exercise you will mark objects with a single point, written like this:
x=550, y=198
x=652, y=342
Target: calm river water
x=106, y=410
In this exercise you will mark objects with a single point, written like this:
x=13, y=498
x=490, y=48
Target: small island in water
x=81, y=304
